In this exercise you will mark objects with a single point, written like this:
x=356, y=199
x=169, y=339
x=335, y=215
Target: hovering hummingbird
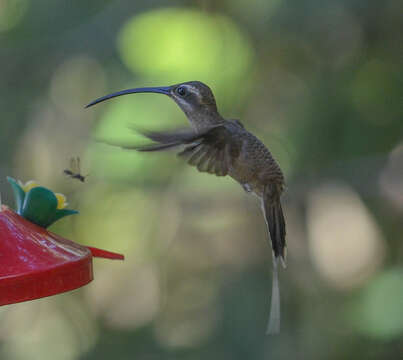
x=224, y=147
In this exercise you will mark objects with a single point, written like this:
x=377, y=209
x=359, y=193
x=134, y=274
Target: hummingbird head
x=194, y=98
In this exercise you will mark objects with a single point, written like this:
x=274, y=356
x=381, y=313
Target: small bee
x=74, y=171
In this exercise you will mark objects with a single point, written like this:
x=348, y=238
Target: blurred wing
x=179, y=136
x=78, y=165
x=73, y=165
x=163, y=140
x=168, y=139
x=211, y=150
x=214, y=152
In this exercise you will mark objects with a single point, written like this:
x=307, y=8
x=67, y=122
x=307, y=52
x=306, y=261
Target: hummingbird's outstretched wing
x=214, y=152
x=172, y=138
x=163, y=140
x=210, y=150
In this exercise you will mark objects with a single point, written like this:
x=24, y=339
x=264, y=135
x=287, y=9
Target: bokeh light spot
x=11, y=13
x=344, y=239
x=46, y=329
x=188, y=44
x=378, y=313
x=391, y=178
x=75, y=82
x=124, y=215
x=140, y=302
x=375, y=93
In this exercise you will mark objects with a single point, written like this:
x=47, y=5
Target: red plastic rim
x=35, y=263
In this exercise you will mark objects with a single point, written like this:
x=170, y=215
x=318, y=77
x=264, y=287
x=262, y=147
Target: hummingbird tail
x=273, y=326
x=275, y=222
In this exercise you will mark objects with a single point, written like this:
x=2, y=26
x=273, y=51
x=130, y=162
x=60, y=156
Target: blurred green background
x=320, y=82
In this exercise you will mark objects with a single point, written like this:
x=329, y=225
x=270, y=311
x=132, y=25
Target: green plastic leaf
x=19, y=194
x=39, y=207
x=62, y=213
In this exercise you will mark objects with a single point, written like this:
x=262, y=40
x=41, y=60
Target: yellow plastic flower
x=61, y=201
x=28, y=185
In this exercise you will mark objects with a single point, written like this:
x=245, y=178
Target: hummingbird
x=223, y=147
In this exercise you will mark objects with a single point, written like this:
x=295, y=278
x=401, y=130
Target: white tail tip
x=274, y=320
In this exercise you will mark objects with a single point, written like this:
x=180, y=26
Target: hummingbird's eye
x=181, y=90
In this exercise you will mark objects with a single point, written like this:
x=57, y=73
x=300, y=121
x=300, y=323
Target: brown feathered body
x=227, y=148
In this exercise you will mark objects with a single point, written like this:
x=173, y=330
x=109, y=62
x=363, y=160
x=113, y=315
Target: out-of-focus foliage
x=320, y=82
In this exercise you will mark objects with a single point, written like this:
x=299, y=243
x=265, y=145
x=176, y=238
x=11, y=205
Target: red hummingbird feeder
x=35, y=262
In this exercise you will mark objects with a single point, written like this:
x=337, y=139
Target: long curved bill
x=159, y=90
